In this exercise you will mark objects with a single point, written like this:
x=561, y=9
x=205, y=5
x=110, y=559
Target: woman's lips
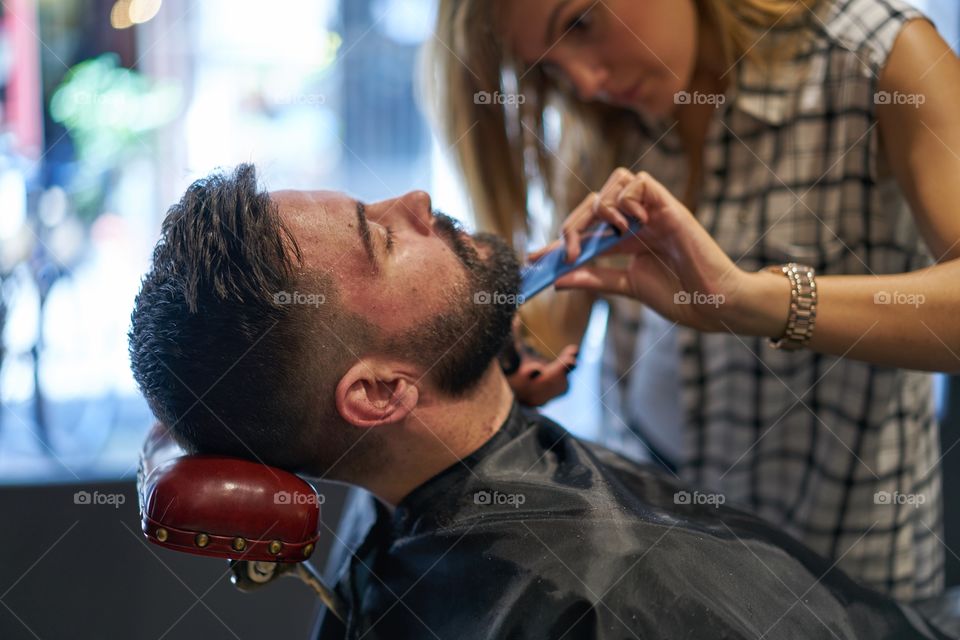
x=629, y=96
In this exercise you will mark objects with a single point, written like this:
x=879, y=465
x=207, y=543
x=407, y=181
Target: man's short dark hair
x=222, y=357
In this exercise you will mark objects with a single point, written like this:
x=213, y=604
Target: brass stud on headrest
x=202, y=540
x=276, y=547
x=239, y=544
x=307, y=550
x=162, y=534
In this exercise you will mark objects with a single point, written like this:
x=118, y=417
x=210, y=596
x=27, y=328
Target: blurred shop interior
x=108, y=110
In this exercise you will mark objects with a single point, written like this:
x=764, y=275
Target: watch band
x=803, y=306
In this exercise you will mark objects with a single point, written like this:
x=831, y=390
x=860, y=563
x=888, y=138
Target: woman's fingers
x=597, y=206
x=634, y=209
x=538, y=381
x=606, y=204
x=609, y=214
x=623, y=196
x=643, y=195
x=579, y=219
x=596, y=279
x=556, y=371
x=633, y=244
x=533, y=256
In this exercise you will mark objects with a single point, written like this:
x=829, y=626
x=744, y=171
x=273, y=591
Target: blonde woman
x=751, y=134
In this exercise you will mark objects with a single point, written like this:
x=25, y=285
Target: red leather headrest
x=224, y=507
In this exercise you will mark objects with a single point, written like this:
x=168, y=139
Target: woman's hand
x=675, y=267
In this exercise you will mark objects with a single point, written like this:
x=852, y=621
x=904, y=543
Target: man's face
x=435, y=292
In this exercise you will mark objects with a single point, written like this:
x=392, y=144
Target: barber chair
x=265, y=521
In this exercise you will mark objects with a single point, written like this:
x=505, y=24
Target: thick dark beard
x=457, y=346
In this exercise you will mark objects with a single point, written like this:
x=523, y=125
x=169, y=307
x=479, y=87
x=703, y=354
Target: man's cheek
x=425, y=291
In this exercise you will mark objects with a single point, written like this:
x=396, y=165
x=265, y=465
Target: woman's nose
x=587, y=78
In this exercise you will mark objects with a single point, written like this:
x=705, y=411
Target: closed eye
x=579, y=24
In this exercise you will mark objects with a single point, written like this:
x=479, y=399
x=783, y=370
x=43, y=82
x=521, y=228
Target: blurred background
x=108, y=110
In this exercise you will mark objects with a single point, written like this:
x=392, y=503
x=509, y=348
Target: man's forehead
x=292, y=201
x=324, y=224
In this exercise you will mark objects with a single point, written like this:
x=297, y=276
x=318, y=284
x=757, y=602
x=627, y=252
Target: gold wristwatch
x=803, y=306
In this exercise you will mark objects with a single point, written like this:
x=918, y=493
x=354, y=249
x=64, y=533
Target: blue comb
x=544, y=272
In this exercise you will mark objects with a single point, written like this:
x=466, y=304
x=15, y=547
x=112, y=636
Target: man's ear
x=373, y=393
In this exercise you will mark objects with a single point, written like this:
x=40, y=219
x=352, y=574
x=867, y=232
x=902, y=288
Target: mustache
x=502, y=265
x=452, y=232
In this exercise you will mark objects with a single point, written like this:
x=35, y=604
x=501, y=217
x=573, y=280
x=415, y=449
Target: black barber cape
x=538, y=534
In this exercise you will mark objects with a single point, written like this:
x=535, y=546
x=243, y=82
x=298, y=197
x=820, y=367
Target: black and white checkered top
x=842, y=454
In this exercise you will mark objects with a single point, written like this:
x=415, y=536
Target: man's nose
x=414, y=208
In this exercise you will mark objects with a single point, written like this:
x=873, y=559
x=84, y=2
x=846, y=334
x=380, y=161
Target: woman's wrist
x=762, y=306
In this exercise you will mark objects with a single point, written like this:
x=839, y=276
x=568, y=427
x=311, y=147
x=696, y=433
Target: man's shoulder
x=543, y=544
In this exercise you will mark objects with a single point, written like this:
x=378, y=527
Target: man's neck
x=440, y=433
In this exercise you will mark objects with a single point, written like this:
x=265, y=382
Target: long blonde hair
x=500, y=152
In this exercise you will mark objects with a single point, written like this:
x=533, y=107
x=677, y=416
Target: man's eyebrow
x=364, y=229
x=552, y=21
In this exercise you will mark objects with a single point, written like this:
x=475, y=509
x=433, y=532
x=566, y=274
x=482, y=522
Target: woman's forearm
x=909, y=320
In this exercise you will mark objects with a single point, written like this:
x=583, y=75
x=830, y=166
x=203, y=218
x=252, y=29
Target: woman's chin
x=654, y=108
